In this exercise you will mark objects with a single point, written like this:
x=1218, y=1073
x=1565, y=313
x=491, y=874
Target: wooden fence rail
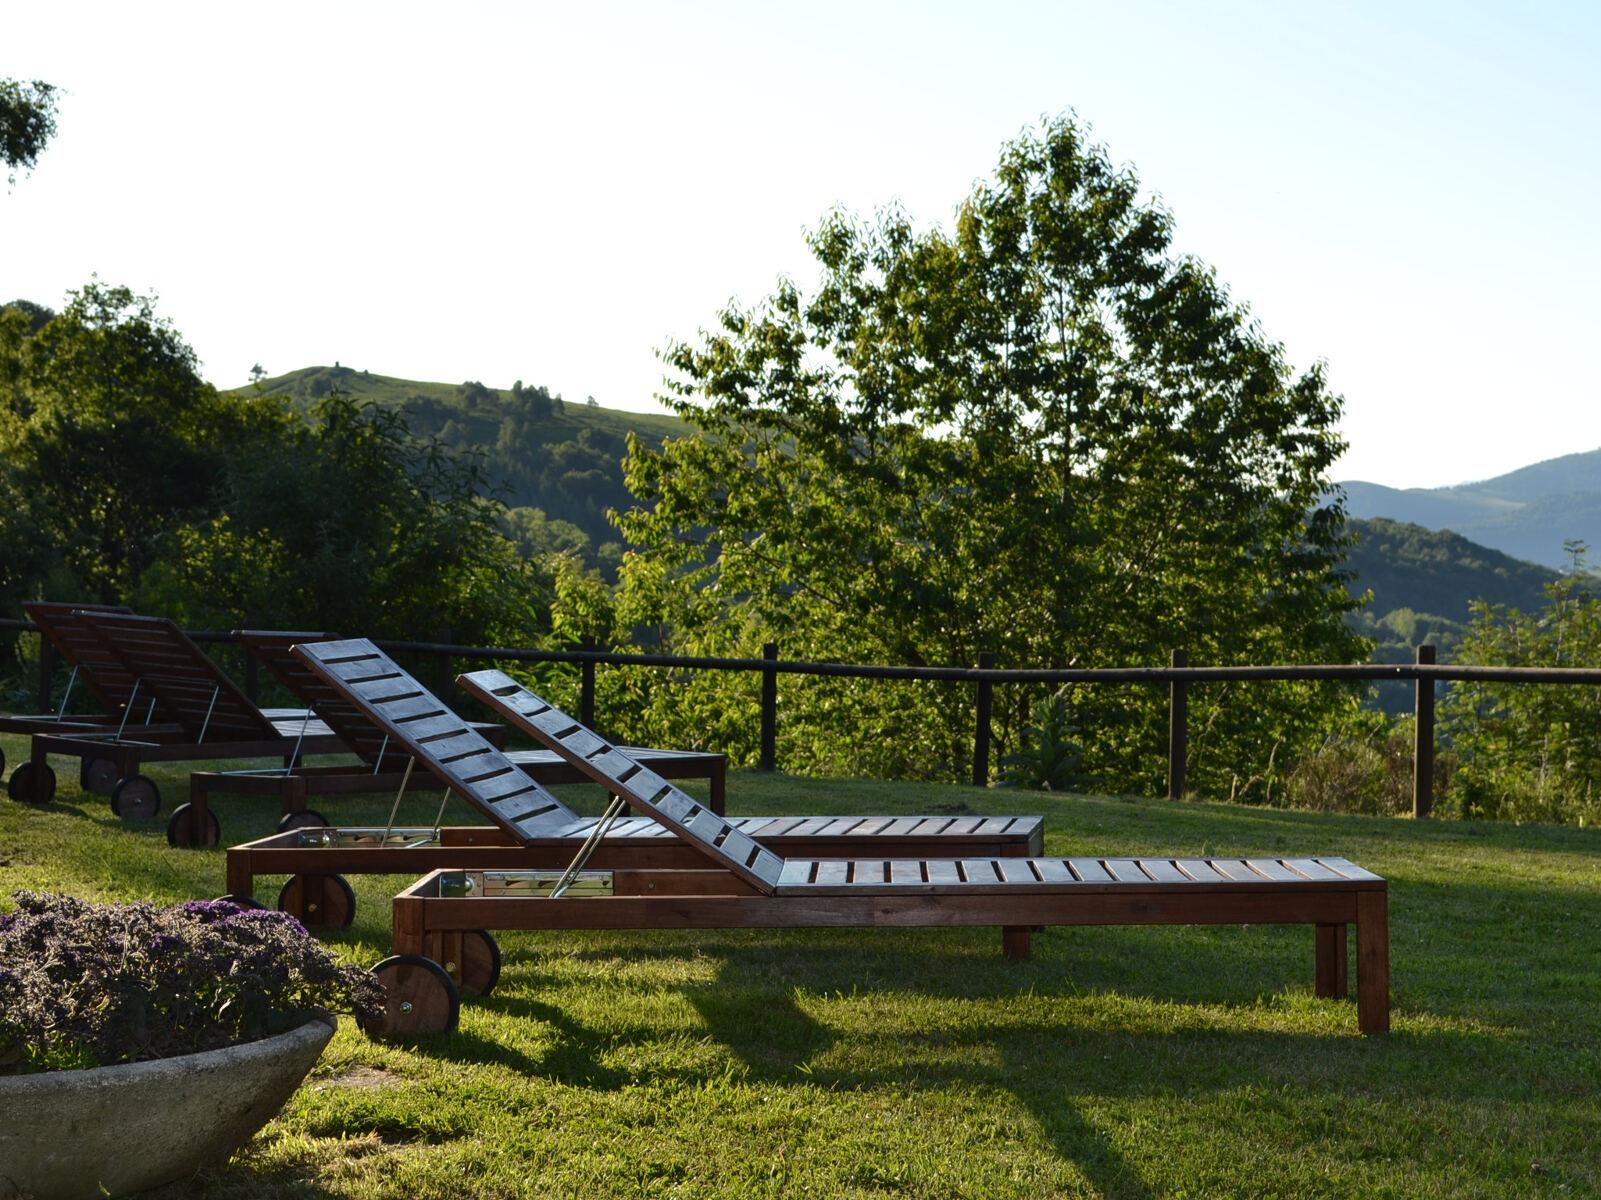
x=1178, y=676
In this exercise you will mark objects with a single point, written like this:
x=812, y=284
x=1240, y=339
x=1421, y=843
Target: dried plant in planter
x=87, y=985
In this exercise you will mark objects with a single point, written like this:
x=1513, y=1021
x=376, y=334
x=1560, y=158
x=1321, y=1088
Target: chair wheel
x=182, y=829
x=319, y=901
x=419, y=997
x=480, y=963
x=98, y=775
x=136, y=798
x=2, y=760
x=303, y=818
x=32, y=785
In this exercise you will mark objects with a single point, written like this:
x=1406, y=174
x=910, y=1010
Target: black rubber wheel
x=419, y=997
x=136, y=798
x=98, y=775
x=480, y=963
x=242, y=901
x=30, y=786
x=319, y=901
x=182, y=829
x=2, y=760
x=305, y=818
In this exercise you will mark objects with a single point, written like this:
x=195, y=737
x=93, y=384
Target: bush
x=87, y=985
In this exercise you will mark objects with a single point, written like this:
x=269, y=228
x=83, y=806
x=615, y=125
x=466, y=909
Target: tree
x=1530, y=752
x=108, y=429
x=1040, y=433
x=27, y=123
x=350, y=523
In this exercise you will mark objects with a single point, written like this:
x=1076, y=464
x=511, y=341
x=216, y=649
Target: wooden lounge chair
x=439, y=921
x=383, y=762
x=95, y=669
x=200, y=713
x=530, y=829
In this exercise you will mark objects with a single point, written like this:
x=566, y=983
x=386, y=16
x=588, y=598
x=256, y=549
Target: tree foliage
x=1040, y=433
x=1530, y=752
x=27, y=123
x=109, y=432
x=124, y=476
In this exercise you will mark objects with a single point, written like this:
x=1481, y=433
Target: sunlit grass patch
x=1126, y=1062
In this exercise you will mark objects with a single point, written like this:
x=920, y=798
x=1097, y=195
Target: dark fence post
x=769, y=760
x=981, y=731
x=47, y=670
x=445, y=676
x=1178, y=727
x=586, y=686
x=1423, y=742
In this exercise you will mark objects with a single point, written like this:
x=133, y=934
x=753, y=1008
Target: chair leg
x=1373, y=962
x=1015, y=941
x=1331, y=981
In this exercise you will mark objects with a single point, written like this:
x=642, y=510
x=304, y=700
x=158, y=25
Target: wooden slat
x=904, y=871
x=812, y=826
x=902, y=826
x=1312, y=869
x=1054, y=870
x=943, y=872
x=1350, y=870
x=1016, y=870
x=1090, y=870
x=1164, y=870
x=1273, y=869
x=979, y=870
x=1201, y=871
x=833, y=874
x=1126, y=870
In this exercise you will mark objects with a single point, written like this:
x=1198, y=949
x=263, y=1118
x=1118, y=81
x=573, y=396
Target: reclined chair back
x=422, y=726
x=189, y=688
x=620, y=774
x=274, y=649
x=84, y=649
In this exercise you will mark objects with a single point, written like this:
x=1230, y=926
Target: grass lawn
x=1120, y=1062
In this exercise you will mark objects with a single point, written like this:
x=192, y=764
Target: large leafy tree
x=110, y=433
x=27, y=123
x=1040, y=433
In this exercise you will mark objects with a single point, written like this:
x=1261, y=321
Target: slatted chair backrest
x=618, y=772
x=272, y=648
x=191, y=689
x=424, y=727
x=100, y=670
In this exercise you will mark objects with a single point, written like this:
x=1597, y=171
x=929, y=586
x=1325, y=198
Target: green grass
x=1126, y=1062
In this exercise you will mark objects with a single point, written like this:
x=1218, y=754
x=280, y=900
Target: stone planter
x=66, y=1135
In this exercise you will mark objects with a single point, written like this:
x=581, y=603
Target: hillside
x=556, y=464
x=1528, y=513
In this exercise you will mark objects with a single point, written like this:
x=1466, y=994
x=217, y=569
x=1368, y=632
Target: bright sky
x=552, y=192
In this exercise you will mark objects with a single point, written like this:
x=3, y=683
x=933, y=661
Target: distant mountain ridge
x=1528, y=513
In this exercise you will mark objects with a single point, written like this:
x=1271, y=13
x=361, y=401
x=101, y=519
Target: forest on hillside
x=555, y=464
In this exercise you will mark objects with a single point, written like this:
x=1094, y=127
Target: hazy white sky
x=551, y=193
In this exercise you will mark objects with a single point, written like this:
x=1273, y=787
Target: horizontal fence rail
x=1424, y=673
